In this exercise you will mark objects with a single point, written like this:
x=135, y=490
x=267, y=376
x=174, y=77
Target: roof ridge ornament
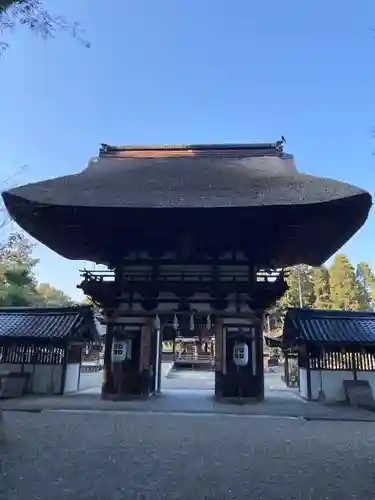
x=251, y=149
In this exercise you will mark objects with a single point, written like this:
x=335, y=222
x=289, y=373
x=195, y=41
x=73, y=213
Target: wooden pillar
x=259, y=346
x=147, y=358
x=64, y=370
x=160, y=359
x=109, y=376
x=130, y=377
x=286, y=371
x=219, y=356
x=108, y=379
x=231, y=380
x=174, y=349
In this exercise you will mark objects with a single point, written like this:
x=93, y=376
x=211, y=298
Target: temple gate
x=185, y=230
x=227, y=288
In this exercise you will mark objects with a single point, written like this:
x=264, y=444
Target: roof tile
x=46, y=323
x=333, y=327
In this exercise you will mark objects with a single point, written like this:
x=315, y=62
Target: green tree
x=300, y=292
x=321, y=288
x=345, y=293
x=275, y=319
x=33, y=15
x=51, y=296
x=366, y=285
x=17, y=276
x=18, y=284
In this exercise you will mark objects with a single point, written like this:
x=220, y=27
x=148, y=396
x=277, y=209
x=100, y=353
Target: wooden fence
x=31, y=354
x=353, y=361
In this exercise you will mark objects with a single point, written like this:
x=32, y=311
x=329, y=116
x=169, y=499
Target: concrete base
x=237, y=401
x=123, y=397
x=128, y=385
x=195, y=402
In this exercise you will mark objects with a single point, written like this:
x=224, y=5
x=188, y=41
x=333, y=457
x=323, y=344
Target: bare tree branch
x=4, y=216
x=33, y=15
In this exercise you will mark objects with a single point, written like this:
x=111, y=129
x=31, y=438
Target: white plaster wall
x=72, y=377
x=333, y=385
x=29, y=369
x=315, y=380
x=16, y=368
x=46, y=379
x=330, y=383
x=90, y=380
x=303, y=383
x=370, y=376
x=8, y=367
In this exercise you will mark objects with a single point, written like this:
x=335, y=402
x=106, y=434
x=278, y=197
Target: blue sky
x=191, y=71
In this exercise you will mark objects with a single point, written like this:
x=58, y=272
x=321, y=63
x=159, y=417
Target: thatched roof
x=186, y=181
x=249, y=188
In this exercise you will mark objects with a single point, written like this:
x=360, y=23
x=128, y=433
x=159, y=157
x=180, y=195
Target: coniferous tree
x=300, y=292
x=321, y=287
x=339, y=287
x=51, y=296
x=366, y=284
x=345, y=293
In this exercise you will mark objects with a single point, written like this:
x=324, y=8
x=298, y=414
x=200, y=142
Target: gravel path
x=120, y=456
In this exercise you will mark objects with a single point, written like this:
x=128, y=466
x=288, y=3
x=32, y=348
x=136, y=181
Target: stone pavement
x=150, y=456
x=193, y=402
x=177, y=398
x=189, y=380
x=183, y=444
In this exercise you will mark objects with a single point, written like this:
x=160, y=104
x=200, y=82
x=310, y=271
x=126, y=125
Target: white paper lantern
x=240, y=353
x=119, y=350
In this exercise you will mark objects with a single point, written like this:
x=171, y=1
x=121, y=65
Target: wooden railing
x=97, y=275
x=190, y=358
x=100, y=276
x=91, y=368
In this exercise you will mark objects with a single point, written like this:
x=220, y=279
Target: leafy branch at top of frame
x=33, y=15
